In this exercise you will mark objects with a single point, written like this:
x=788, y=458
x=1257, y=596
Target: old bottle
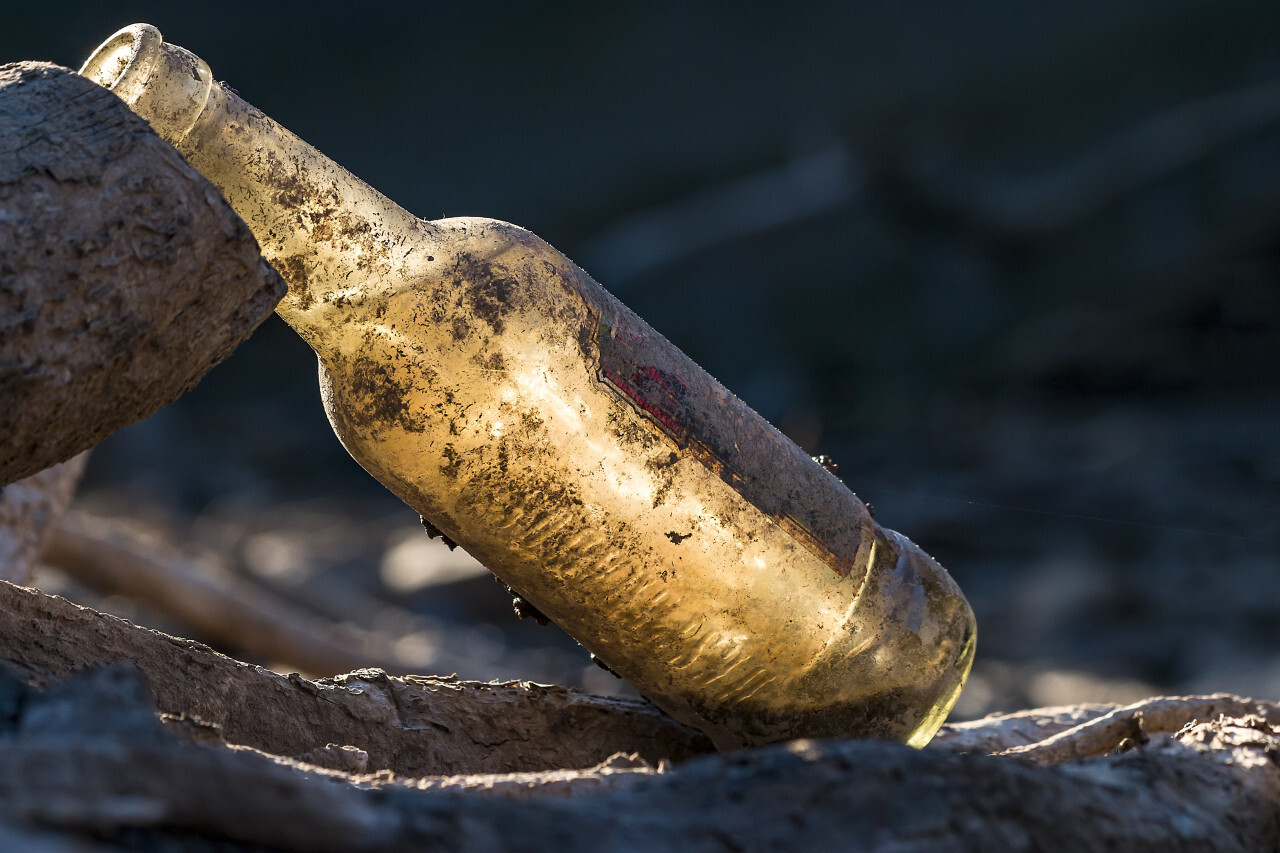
x=593, y=467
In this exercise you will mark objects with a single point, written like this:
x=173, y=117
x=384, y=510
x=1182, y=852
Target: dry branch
x=418, y=726
x=124, y=275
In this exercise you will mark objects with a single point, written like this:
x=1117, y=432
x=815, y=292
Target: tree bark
x=370, y=762
x=124, y=275
x=412, y=725
x=87, y=758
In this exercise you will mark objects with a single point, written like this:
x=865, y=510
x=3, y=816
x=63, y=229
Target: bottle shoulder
x=490, y=239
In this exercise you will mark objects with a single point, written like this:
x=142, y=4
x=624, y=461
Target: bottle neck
x=337, y=242
x=334, y=239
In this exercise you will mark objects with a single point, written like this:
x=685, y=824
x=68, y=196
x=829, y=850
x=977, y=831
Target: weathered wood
x=1134, y=724
x=124, y=275
x=88, y=759
x=998, y=732
x=463, y=766
x=29, y=512
x=1048, y=736
x=414, y=725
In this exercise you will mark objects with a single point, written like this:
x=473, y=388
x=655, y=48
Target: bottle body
x=638, y=504
x=501, y=392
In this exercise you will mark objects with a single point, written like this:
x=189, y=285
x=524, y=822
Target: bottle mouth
x=163, y=83
x=124, y=62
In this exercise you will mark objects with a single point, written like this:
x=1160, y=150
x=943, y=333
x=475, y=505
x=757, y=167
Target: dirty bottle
x=593, y=467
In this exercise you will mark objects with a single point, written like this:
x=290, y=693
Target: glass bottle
x=593, y=467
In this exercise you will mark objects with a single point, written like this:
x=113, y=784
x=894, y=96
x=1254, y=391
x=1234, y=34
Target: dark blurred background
x=1015, y=266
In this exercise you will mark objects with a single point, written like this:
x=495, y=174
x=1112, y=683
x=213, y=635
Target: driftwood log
x=124, y=275
x=412, y=725
x=87, y=763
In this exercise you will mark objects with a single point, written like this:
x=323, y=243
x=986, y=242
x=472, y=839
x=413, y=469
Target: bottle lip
x=167, y=85
x=124, y=62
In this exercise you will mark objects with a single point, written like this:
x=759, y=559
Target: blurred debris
x=805, y=186
x=1218, y=134
x=29, y=512
x=1001, y=687
x=412, y=563
x=211, y=602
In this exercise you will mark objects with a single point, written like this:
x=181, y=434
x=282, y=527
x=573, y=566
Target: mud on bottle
x=594, y=468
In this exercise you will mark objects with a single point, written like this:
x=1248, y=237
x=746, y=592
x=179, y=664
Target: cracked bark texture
x=124, y=275
x=87, y=760
x=411, y=725
x=247, y=759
